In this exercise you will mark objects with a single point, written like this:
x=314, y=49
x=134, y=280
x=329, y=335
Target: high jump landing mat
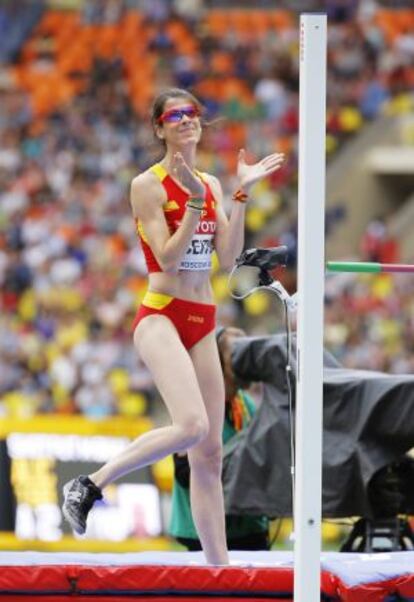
x=161, y=576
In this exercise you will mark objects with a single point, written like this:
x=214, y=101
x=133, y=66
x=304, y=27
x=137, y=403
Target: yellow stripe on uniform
x=141, y=232
x=156, y=300
x=202, y=175
x=171, y=206
x=159, y=171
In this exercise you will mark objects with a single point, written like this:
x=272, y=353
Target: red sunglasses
x=176, y=115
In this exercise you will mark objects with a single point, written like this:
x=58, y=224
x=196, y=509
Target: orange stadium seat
x=261, y=21
x=141, y=92
x=89, y=33
x=247, y=22
x=53, y=21
x=65, y=38
x=175, y=29
x=50, y=94
x=222, y=63
x=131, y=46
x=234, y=88
x=241, y=20
x=237, y=131
x=281, y=19
x=139, y=64
x=107, y=41
x=136, y=283
x=187, y=46
x=284, y=144
x=394, y=23
x=67, y=232
x=207, y=87
x=78, y=58
x=217, y=22
x=116, y=246
x=405, y=20
x=229, y=157
x=131, y=22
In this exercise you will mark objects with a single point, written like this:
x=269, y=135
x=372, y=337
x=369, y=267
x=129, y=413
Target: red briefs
x=192, y=320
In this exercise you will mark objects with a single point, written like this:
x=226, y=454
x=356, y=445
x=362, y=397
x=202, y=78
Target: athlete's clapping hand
x=187, y=177
x=249, y=174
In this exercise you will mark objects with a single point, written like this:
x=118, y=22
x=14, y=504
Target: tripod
x=380, y=535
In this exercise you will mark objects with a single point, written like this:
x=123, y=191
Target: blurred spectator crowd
x=369, y=319
x=75, y=91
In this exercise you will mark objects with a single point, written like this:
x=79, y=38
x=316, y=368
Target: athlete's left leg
x=207, y=503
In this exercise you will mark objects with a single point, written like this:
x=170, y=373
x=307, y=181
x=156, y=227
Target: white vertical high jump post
x=311, y=273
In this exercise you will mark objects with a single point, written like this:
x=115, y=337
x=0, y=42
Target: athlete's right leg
x=161, y=349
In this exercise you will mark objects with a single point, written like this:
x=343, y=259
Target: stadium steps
x=364, y=195
x=401, y=227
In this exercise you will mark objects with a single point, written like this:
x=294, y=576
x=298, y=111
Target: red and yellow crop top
x=198, y=255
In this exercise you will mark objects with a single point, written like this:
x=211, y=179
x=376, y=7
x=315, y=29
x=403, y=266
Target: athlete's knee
x=207, y=458
x=194, y=431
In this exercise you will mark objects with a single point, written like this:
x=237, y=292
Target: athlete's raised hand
x=249, y=174
x=186, y=176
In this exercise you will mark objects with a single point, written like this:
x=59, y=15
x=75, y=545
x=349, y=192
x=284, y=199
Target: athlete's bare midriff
x=189, y=285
